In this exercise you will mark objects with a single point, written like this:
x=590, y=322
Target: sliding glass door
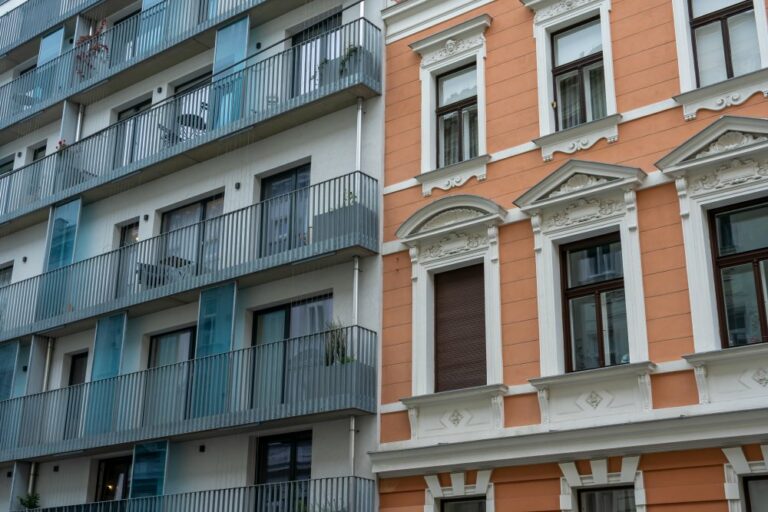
x=228, y=62
x=285, y=201
x=315, y=49
x=103, y=398
x=55, y=292
x=167, y=381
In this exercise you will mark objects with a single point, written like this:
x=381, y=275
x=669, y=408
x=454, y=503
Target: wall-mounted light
x=18, y=154
x=146, y=217
x=24, y=259
x=159, y=90
x=55, y=469
x=201, y=448
x=237, y=186
x=258, y=46
x=9, y=474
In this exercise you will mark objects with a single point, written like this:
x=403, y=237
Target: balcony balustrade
x=320, y=373
x=33, y=17
x=341, y=213
x=235, y=100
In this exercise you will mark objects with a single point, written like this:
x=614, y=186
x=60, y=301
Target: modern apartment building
x=575, y=254
x=189, y=240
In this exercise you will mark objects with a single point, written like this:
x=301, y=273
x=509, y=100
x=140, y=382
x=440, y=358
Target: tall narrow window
x=6, y=273
x=130, y=130
x=609, y=499
x=593, y=304
x=756, y=493
x=62, y=234
x=7, y=363
x=285, y=458
x=114, y=479
x=313, y=49
x=192, y=245
x=148, y=469
x=172, y=347
x=740, y=241
x=285, y=207
x=457, y=137
x=460, y=359
x=579, y=77
x=724, y=39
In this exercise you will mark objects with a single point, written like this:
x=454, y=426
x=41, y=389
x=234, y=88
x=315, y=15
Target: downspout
x=79, y=129
x=359, y=142
x=46, y=373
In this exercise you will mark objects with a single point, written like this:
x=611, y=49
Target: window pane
x=311, y=316
x=615, y=336
x=710, y=54
x=584, y=347
x=607, y=500
x=171, y=348
x=469, y=118
x=7, y=363
x=601, y=262
x=448, y=132
x=214, y=334
x=457, y=86
x=745, y=53
x=477, y=505
x=577, y=43
x=63, y=231
x=568, y=100
x=701, y=7
x=741, y=308
x=758, y=495
x=108, y=347
x=148, y=469
x=594, y=91
x=303, y=460
x=742, y=230
x=764, y=285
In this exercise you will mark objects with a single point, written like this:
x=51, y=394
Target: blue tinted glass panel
x=50, y=47
x=61, y=244
x=22, y=369
x=148, y=469
x=7, y=363
x=107, y=347
x=214, y=333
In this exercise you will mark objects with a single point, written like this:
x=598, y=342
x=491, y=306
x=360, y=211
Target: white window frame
x=451, y=233
x=483, y=488
x=724, y=164
x=582, y=200
x=552, y=16
x=441, y=53
x=572, y=481
x=719, y=96
x=737, y=467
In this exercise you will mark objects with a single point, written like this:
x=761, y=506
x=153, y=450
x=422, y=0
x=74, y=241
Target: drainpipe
x=355, y=289
x=359, y=142
x=352, y=433
x=33, y=467
x=79, y=129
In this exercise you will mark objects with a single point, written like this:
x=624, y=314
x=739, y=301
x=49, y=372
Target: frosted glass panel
x=701, y=7
x=742, y=230
x=577, y=43
x=457, y=86
x=710, y=54
x=745, y=53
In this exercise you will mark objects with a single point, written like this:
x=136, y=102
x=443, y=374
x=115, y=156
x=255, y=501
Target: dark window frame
x=720, y=16
x=124, y=231
x=745, y=483
x=482, y=498
x=582, y=490
x=285, y=306
x=592, y=289
x=100, y=475
x=457, y=107
x=153, y=345
x=575, y=65
x=292, y=437
x=721, y=262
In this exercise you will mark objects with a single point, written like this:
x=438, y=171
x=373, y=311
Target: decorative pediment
x=453, y=42
x=448, y=215
x=728, y=139
x=546, y=9
x=577, y=182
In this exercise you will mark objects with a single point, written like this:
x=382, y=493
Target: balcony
x=163, y=35
x=324, y=373
x=242, y=105
x=339, y=494
x=338, y=217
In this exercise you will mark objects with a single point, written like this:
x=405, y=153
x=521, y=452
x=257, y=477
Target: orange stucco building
x=575, y=256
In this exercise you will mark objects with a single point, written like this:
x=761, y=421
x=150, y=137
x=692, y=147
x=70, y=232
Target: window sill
x=596, y=375
x=454, y=175
x=728, y=355
x=721, y=95
x=455, y=395
x=580, y=137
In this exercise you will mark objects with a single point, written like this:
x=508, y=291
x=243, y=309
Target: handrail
x=335, y=214
x=264, y=89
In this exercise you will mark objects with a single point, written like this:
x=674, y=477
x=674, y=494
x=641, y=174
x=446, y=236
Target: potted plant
x=88, y=48
x=347, y=217
x=30, y=501
x=336, y=344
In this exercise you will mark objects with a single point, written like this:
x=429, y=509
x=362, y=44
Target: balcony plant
x=30, y=501
x=88, y=48
x=336, y=344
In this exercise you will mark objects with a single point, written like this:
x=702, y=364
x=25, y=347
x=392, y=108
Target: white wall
x=63, y=348
x=70, y=485
x=5, y=487
x=224, y=464
x=48, y=133
x=29, y=243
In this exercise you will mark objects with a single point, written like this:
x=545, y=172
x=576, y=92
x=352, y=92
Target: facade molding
x=572, y=481
x=410, y=17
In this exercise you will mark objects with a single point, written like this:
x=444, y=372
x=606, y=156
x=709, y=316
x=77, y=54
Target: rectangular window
x=62, y=235
x=611, y=499
x=740, y=245
x=457, y=136
x=460, y=358
x=594, y=311
x=463, y=505
x=724, y=39
x=285, y=458
x=6, y=273
x=196, y=247
x=129, y=234
x=6, y=165
x=293, y=320
x=579, y=78
x=172, y=347
x=114, y=479
x=285, y=210
x=756, y=494
x=316, y=54
x=78, y=365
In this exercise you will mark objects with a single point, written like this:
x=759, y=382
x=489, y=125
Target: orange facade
x=646, y=76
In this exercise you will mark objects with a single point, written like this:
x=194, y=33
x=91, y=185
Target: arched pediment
x=449, y=214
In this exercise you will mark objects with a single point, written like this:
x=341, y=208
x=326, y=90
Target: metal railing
x=332, y=215
x=34, y=17
x=339, y=494
x=320, y=373
x=329, y=63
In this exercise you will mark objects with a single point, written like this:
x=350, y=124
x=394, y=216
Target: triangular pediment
x=725, y=139
x=578, y=178
x=450, y=213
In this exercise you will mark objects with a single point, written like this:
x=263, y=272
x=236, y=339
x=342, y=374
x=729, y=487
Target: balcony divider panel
x=319, y=373
x=234, y=102
x=340, y=213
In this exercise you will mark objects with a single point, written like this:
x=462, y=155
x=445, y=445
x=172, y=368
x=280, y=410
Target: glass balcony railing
x=333, y=215
x=34, y=17
x=236, y=99
x=339, y=494
x=320, y=373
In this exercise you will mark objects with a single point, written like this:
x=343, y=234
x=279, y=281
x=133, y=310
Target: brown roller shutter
x=460, y=329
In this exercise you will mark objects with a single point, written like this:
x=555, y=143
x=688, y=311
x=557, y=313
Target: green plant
x=336, y=344
x=350, y=198
x=30, y=501
x=348, y=55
